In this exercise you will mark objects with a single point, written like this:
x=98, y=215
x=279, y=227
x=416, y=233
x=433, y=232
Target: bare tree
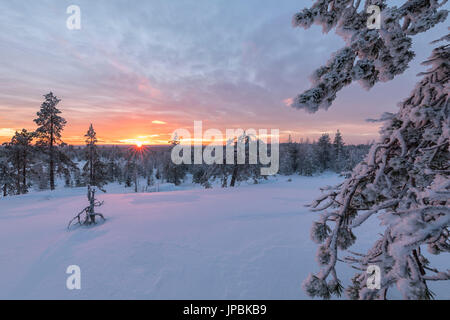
x=88, y=212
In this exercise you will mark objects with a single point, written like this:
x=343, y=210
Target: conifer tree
x=173, y=173
x=338, y=149
x=95, y=171
x=6, y=177
x=405, y=181
x=91, y=152
x=50, y=126
x=289, y=162
x=324, y=152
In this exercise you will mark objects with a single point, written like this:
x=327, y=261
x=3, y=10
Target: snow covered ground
x=250, y=242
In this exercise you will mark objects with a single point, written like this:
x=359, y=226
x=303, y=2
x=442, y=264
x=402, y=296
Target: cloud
x=158, y=122
x=7, y=132
x=288, y=101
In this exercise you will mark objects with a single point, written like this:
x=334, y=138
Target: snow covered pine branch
x=369, y=56
x=405, y=180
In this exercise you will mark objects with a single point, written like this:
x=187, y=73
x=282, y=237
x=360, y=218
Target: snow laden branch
x=370, y=56
x=87, y=216
x=404, y=182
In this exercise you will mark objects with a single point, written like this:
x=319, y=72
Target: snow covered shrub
x=89, y=211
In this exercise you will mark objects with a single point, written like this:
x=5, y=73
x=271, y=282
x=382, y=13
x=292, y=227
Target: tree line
x=36, y=159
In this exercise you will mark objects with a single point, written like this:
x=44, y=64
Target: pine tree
x=91, y=152
x=289, y=162
x=133, y=167
x=150, y=179
x=40, y=176
x=173, y=173
x=324, y=152
x=64, y=164
x=307, y=159
x=370, y=56
x=50, y=126
x=88, y=212
x=338, y=149
x=405, y=177
x=405, y=181
x=94, y=168
x=129, y=173
x=19, y=152
x=246, y=170
x=6, y=177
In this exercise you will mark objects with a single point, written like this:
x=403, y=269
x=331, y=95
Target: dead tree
x=87, y=215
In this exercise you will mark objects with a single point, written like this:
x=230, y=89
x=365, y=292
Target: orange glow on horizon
x=142, y=132
x=164, y=138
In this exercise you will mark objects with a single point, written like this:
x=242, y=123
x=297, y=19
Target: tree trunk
x=234, y=176
x=91, y=165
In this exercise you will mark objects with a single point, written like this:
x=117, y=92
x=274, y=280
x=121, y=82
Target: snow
x=249, y=242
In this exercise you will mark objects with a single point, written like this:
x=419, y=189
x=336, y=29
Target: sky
x=138, y=70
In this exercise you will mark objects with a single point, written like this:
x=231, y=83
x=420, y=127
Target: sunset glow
x=150, y=77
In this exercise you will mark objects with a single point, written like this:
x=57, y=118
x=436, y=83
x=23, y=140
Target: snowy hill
x=250, y=242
